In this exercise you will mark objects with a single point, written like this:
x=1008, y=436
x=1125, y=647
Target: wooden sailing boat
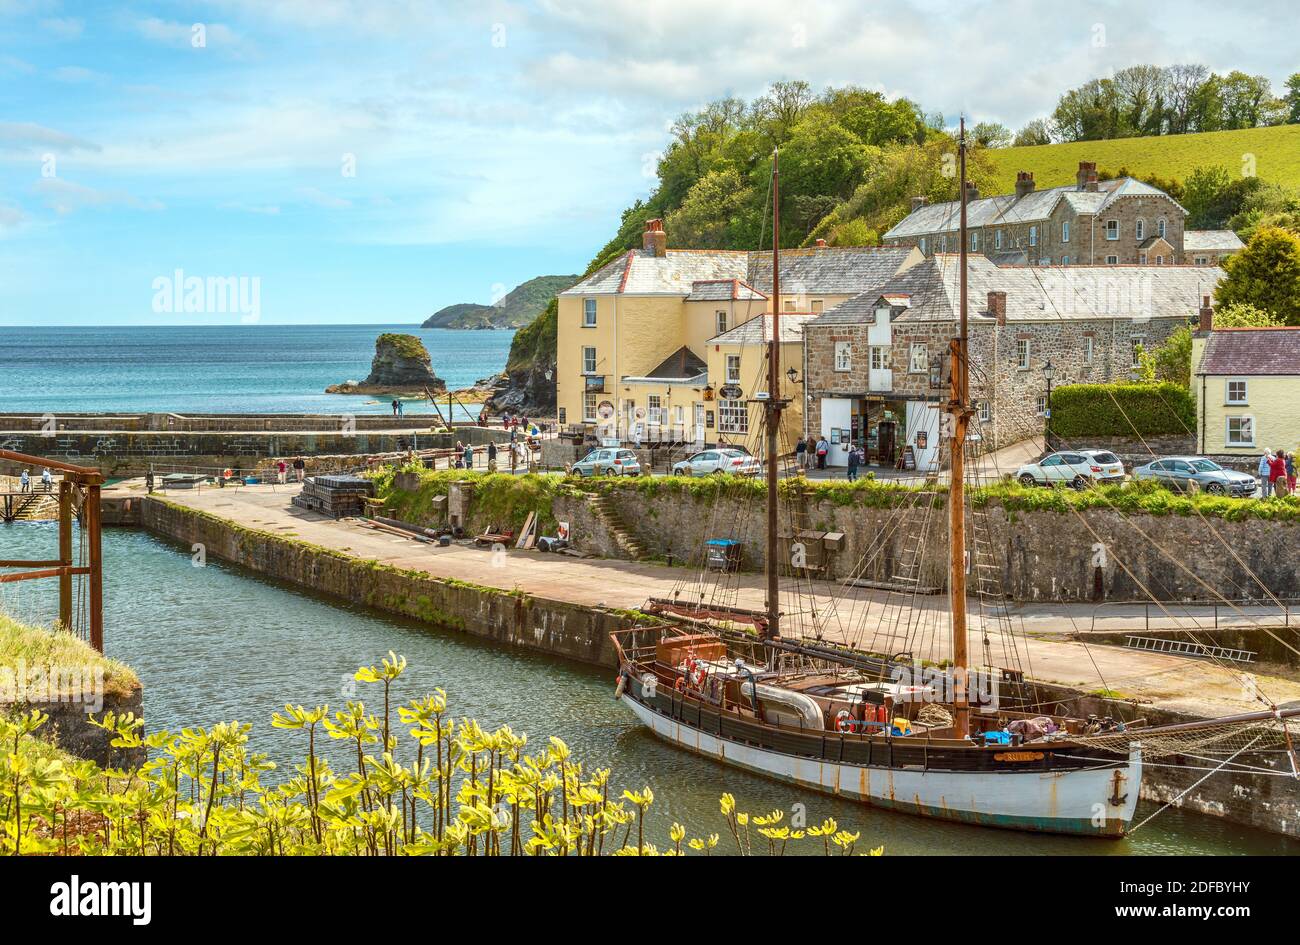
x=726, y=683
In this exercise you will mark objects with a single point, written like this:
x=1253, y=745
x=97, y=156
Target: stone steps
x=622, y=535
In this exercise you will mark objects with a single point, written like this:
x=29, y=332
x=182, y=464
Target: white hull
x=1074, y=801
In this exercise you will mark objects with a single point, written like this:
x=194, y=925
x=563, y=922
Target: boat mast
x=958, y=413
x=773, y=409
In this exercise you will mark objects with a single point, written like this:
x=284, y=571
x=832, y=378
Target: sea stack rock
x=401, y=365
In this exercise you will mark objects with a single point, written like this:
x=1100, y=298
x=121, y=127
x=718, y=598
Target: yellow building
x=738, y=358
x=1247, y=385
x=635, y=339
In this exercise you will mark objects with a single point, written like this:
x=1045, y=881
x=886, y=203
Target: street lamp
x=793, y=375
x=1049, y=372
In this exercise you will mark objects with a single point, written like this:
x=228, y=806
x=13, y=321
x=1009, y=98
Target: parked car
x=1195, y=472
x=723, y=460
x=1077, y=468
x=608, y=462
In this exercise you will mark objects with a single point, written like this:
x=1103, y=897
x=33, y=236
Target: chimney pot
x=821, y=244
x=654, y=238
x=972, y=192
x=918, y=203
x=1207, y=315
x=998, y=306
x=1024, y=183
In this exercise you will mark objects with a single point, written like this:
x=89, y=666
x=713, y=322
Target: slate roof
x=1230, y=351
x=682, y=365
x=758, y=330
x=1035, y=206
x=1036, y=293
x=832, y=270
x=1219, y=241
x=723, y=290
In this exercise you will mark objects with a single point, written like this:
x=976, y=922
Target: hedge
x=1086, y=410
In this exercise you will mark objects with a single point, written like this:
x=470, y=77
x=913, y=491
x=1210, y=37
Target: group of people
x=299, y=470
x=1277, y=473
x=25, y=481
x=812, y=452
x=398, y=409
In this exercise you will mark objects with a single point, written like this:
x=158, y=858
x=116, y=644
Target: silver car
x=1191, y=473
x=722, y=460
x=608, y=461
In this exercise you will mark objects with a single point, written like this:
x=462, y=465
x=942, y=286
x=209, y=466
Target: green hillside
x=1276, y=150
x=517, y=308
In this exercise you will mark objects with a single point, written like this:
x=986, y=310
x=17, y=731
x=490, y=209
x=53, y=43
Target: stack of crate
x=335, y=496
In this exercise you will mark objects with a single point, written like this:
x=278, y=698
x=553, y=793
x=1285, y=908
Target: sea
x=219, y=369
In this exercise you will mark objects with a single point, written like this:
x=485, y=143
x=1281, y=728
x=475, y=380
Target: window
x=997, y=239
x=1139, y=343
x=1112, y=229
x=733, y=369
x=943, y=243
x=679, y=415
x=789, y=305
x=922, y=245
x=816, y=305
x=986, y=411
x=589, y=407
x=564, y=416
x=653, y=408
x=722, y=323
x=1236, y=391
x=975, y=241
x=1033, y=236
x=843, y=356
x=1202, y=260
x=879, y=358
x=1240, y=432
x=1160, y=228
x=1140, y=230
x=1022, y=353
x=920, y=359
x=1112, y=260
x=1040, y=405
x=733, y=416
x=1087, y=349
x=1065, y=260
x=1142, y=258
x=589, y=360
x=588, y=313
x=1065, y=231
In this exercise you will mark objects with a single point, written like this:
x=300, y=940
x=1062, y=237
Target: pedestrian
x=1277, y=473
x=281, y=470
x=1262, y=472
x=47, y=481
x=401, y=409
x=300, y=469
x=394, y=405
x=492, y=456
x=853, y=464
x=469, y=456
x=148, y=481
x=823, y=448
x=24, y=482
x=801, y=454
x=1290, y=473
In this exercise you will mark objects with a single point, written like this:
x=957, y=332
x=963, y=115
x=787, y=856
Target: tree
x=713, y=211
x=1035, y=133
x=1183, y=88
x=1292, y=99
x=1089, y=113
x=1266, y=274
x=991, y=134
x=1247, y=100
x=1212, y=196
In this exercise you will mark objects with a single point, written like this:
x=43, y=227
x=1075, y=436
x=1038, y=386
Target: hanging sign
x=731, y=392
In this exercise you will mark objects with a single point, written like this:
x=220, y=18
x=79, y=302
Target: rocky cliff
x=516, y=308
x=401, y=365
x=528, y=384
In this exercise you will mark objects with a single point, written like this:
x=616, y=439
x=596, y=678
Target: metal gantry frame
x=90, y=480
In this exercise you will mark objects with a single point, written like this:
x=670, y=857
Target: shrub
x=1086, y=410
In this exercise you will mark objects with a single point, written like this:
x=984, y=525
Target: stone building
x=874, y=367
x=1089, y=222
x=1210, y=247
x=640, y=341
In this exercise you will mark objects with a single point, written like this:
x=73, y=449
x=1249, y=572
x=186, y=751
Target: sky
x=349, y=161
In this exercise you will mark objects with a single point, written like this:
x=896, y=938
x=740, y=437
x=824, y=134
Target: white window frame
x=985, y=411
x=1201, y=260
x=1088, y=342
x=654, y=409
x=1142, y=258
x=588, y=313
x=880, y=357
x=843, y=356
x=974, y=241
x=733, y=417
x=732, y=370
x=589, y=360
x=1238, y=401
x=997, y=239
x=1227, y=430
x=918, y=358
x=1023, y=354
x=1112, y=260
x=1065, y=231
x=589, y=406
x=720, y=321
x=1112, y=230
x=1161, y=227
x=1040, y=405
x=922, y=245
x=1137, y=341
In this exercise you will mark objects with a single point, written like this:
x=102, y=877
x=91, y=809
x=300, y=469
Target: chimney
x=998, y=306
x=654, y=238
x=972, y=192
x=1087, y=173
x=1024, y=183
x=821, y=244
x=918, y=203
x=1207, y=315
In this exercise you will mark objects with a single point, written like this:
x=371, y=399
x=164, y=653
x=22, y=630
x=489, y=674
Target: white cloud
x=64, y=27
x=320, y=198
x=188, y=35
x=64, y=197
x=28, y=137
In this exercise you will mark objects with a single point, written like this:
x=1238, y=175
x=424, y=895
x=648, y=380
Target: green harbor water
x=216, y=643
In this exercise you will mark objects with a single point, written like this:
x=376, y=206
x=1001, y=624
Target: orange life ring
x=681, y=683
x=843, y=723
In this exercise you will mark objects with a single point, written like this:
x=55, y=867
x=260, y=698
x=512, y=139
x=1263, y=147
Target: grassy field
x=1276, y=151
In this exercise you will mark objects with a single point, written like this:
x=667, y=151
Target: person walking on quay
x=801, y=455
x=823, y=448
x=281, y=470
x=300, y=469
x=469, y=456
x=47, y=481
x=1290, y=472
x=853, y=464
x=492, y=456
x=148, y=481
x=1263, y=473
x=1277, y=474
x=24, y=482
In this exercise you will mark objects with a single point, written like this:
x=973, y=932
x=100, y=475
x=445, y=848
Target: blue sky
x=372, y=161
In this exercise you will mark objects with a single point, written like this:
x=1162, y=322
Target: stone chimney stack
x=998, y=306
x=1024, y=183
x=918, y=203
x=1086, y=174
x=1207, y=315
x=654, y=238
x=972, y=192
